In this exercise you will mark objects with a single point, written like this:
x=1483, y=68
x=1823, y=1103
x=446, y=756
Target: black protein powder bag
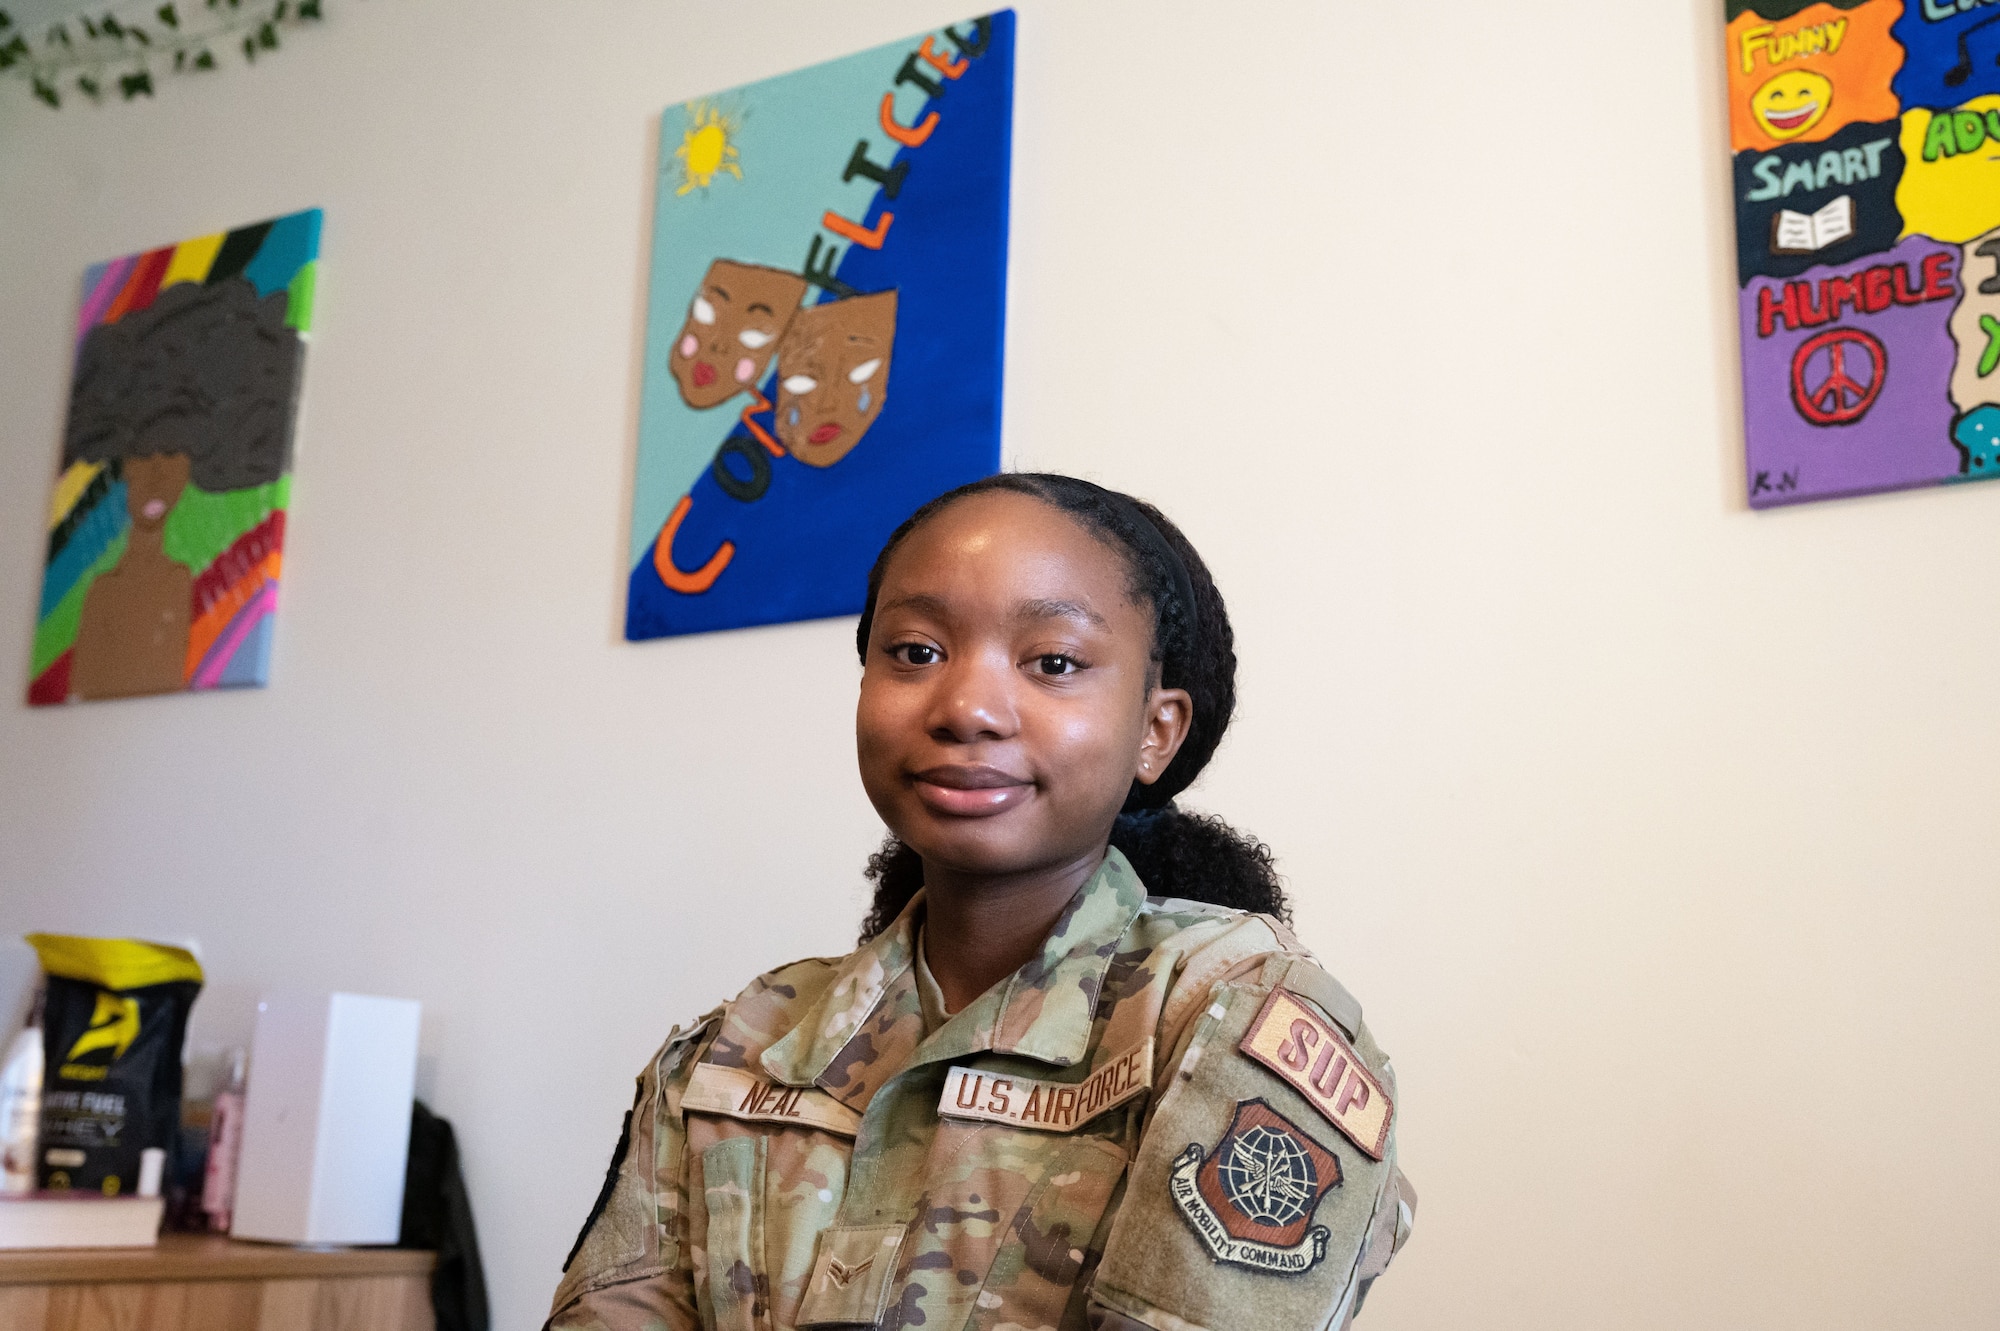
x=112, y=1030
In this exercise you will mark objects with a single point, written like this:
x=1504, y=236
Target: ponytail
x=1197, y=857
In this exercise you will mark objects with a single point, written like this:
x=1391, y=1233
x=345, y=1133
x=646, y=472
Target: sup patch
x=1305, y=1049
x=1252, y=1199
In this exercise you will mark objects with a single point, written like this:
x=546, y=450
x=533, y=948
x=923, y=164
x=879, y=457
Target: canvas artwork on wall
x=824, y=326
x=167, y=527
x=1866, y=136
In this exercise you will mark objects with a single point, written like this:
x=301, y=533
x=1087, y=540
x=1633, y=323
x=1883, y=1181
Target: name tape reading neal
x=1047, y=1106
x=1315, y=1060
x=736, y=1093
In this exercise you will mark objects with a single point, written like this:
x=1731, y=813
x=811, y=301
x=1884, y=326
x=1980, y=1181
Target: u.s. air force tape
x=1315, y=1060
x=1047, y=1106
x=735, y=1093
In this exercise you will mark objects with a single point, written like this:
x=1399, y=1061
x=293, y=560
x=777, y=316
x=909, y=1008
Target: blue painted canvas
x=824, y=326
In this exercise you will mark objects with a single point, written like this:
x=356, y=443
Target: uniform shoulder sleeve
x=1265, y=1194
x=628, y=1269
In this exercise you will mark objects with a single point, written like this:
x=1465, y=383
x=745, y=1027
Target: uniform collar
x=1043, y=1011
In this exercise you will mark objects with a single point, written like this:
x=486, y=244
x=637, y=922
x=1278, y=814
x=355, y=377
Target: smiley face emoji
x=1790, y=104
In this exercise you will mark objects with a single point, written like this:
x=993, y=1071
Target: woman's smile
x=963, y=791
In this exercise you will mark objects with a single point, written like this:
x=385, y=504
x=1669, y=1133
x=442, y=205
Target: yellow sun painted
x=705, y=150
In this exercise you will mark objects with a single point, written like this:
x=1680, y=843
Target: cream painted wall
x=1654, y=833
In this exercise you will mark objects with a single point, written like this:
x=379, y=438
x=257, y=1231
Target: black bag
x=437, y=1215
x=112, y=1029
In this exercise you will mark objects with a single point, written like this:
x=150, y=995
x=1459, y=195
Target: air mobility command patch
x=1252, y=1199
x=1315, y=1060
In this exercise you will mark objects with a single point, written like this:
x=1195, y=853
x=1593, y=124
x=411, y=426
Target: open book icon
x=1800, y=233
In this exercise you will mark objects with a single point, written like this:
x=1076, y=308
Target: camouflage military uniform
x=1171, y=1118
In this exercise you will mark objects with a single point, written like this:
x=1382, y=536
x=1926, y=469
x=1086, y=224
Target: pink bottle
x=225, y=1143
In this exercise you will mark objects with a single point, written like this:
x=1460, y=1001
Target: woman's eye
x=916, y=653
x=800, y=384
x=704, y=313
x=754, y=338
x=1055, y=663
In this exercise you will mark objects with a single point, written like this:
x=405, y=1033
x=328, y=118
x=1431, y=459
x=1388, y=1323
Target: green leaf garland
x=123, y=47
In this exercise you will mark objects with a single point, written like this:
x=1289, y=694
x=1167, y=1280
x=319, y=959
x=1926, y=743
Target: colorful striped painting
x=167, y=525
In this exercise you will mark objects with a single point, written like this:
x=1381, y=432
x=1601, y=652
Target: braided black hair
x=1198, y=857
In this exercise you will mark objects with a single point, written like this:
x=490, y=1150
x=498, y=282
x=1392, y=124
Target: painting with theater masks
x=824, y=326
x=167, y=528
x=1866, y=137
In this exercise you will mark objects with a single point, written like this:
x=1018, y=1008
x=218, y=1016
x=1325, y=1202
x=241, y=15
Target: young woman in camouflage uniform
x=1079, y=1073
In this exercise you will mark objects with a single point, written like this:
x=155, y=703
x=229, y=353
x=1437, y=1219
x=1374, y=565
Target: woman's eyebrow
x=929, y=605
x=1043, y=609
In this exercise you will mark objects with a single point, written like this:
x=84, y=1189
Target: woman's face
x=732, y=330
x=1007, y=702
x=833, y=376
x=153, y=485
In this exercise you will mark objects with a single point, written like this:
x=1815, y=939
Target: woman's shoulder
x=1205, y=946
x=1186, y=927
x=769, y=1005
x=798, y=981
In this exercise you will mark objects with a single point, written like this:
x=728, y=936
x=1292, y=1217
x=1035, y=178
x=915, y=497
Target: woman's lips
x=704, y=374
x=825, y=434
x=970, y=792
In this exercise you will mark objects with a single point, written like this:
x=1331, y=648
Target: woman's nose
x=973, y=702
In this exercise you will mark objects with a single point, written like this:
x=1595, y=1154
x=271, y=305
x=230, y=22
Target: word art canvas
x=167, y=529
x=823, y=341
x=1867, y=177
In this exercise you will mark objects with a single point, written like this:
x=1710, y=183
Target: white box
x=326, y=1119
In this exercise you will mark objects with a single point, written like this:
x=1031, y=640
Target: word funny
x=1849, y=167
x=1777, y=47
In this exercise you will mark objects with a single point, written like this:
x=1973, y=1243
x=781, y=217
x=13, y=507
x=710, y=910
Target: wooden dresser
x=200, y=1282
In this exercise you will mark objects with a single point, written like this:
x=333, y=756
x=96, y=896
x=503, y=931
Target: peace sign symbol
x=1837, y=376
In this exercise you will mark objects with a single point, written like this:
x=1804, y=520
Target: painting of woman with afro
x=168, y=524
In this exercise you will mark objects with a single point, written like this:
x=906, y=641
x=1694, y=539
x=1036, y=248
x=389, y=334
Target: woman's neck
x=147, y=541
x=979, y=929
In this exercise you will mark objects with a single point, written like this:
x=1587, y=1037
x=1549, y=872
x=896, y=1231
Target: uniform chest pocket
x=1009, y=1231
x=1055, y=1240
x=767, y=1197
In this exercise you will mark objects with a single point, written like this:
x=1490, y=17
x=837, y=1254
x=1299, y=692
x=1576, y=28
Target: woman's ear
x=1169, y=718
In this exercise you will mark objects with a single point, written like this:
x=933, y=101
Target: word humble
x=1810, y=304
